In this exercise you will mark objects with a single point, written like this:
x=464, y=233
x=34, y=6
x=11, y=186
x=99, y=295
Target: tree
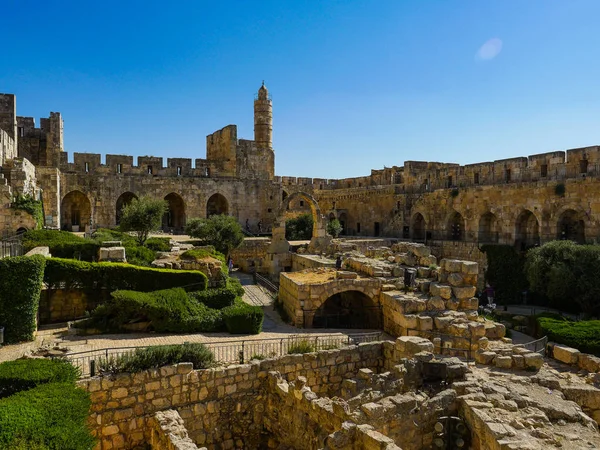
x=567, y=273
x=299, y=228
x=223, y=232
x=143, y=216
x=334, y=227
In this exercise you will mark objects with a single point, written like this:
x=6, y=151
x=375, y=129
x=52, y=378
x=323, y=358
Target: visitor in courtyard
x=338, y=262
x=247, y=225
x=229, y=263
x=489, y=292
x=260, y=226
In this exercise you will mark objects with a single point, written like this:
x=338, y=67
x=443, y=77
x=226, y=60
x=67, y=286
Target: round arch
x=318, y=225
x=350, y=308
x=21, y=230
x=570, y=226
x=418, y=227
x=343, y=218
x=217, y=204
x=488, y=228
x=75, y=211
x=124, y=199
x=455, y=226
x=527, y=230
x=174, y=218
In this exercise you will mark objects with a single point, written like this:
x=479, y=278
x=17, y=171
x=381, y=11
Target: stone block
x=442, y=290
x=533, y=360
x=469, y=304
x=408, y=321
x=504, y=362
x=464, y=292
x=455, y=279
x=420, y=250
x=483, y=343
x=436, y=304
x=566, y=354
x=425, y=323
x=587, y=362
x=452, y=304
x=410, y=345
x=494, y=330
x=469, y=267
x=428, y=260
x=411, y=305
x=477, y=330
x=486, y=358
x=452, y=265
x=442, y=323
x=584, y=395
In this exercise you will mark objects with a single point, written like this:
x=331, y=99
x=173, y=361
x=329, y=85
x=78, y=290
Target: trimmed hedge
x=243, y=318
x=161, y=355
x=68, y=274
x=24, y=374
x=62, y=244
x=158, y=244
x=52, y=416
x=218, y=298
x=20, y=286
x=170, y=310
x=583, y=335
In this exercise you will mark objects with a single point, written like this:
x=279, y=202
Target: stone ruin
x=382, y=395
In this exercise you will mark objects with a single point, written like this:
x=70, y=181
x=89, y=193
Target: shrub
x=567, y=274
x=20, y=286
x=242, y=318
x=50, y=416
x=583, y=335
x=235, y=285
x=153, y=357
x=169, y=310
x=334, y=227
x=505, y=273
x=299, y=228
x=107, y=234
x=23, y=374
x=303, y=346
x=218, y=298
x=113, y=276
x=140, y=256
x=31, y=206
x=62, y=244
x=158, y=244
x=207, y=251
x=223, y=232
x=143, y=215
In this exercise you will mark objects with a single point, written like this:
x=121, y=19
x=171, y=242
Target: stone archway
x=174, y=218
x=418, y=227
x=348, y=309
x=571, y=226
x=217, y=204
x=279, y=244
x=527, y=230
x=75, y=211
x=488, y=228
x=343, y=222
x=124, y=199
x=455, y=227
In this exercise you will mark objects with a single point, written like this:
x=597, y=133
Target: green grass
x=583, y=335
x=301, y=347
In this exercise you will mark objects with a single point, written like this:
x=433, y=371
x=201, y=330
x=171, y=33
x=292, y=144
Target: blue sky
x=356, y=85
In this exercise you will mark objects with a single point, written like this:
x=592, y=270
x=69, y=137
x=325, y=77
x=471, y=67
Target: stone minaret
x=263, y=119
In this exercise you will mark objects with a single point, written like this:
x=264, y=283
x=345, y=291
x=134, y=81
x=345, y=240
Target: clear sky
x=356, y=85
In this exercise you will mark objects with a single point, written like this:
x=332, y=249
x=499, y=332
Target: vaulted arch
x=527, y=230
x=124, y=199
x=75, y=211
x=488, y=228
x=174, y=218
x=418, y=227
x=571, y=226
x=455, y=227
x=217, y=204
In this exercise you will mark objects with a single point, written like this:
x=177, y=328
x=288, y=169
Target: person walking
x=229, y=263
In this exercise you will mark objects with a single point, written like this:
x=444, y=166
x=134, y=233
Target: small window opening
x=544, y=170
x=301, y=202
x=583, y=166
x=21, y=131
x=507, y=175
x=270, y=210
x=476, y=178
x=119, y=168
x=178, y=171
x=150, y=170
x=449, y=180
x=358, y=227
x=87, y=167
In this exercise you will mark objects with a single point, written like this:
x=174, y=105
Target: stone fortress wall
x=523, y=201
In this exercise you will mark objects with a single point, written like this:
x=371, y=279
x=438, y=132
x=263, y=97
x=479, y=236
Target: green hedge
x=113, y=276
x=243, y=318
x=153, y=357
x=505, y=273
x=583, y=335
x=24, y=374
x=50, y=416
x=218, y=298
x=170, y=310
x=140, y=256
x=158, y=244
x=62, y=244
x=20, y=286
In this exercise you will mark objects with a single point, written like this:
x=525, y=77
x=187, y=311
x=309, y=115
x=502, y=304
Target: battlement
x=423, y=176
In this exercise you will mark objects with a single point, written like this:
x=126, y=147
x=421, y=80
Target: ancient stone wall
x=221, y=408
x=305, y=261
x=61, y=305
x=249, y=256
x=8, y=149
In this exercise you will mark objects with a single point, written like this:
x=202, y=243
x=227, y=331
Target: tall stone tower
x=263, y=119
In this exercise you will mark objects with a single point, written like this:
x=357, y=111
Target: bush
x=505, y=273
x=299, y=228
x=140, y=256
x=169, y=310
x=242, y=318
x=218, y=298
x=223, y=232
x=301, y=347
x=567, y=274
x=198, y=254
x=143, y=215
x=158, y=244
x=23, y=374
x=52, y=416
x=62, y=244
x=153, y=357
x=235, y=285
x=584, y=335
x=20, y=286
x=334, y=227
x=65, y=273
x=31, y=206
